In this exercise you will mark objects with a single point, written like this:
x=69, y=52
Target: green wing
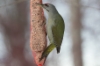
x=58, y=32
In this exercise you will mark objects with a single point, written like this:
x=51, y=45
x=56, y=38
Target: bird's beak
x=43, y=6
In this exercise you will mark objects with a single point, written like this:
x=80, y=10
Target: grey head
x=49, y=7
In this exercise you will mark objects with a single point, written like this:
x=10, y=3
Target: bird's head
x=47, y=6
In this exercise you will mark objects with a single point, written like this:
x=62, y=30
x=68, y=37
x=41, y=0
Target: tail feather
x=58, y=49
x=47, y=51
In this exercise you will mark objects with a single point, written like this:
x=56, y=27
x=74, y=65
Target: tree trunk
x=75, y=32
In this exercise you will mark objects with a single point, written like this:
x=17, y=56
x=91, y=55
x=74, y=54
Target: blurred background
x=15, y=32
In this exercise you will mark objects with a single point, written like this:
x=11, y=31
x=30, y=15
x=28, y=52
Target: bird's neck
x=53, y=13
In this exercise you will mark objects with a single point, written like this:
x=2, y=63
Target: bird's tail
x=58, y=49
x=47, y=51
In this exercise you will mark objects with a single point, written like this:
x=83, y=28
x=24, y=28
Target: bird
x=55, y=29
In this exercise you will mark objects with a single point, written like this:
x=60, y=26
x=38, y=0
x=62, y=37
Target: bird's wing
x=58, y=31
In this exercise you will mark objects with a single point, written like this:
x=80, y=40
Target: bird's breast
x=49, y=26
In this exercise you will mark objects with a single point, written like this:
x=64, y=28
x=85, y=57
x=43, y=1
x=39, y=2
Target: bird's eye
x=47, y=5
